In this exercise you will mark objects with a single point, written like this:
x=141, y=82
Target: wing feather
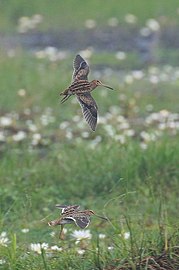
x=89, y=109
x=82, y=222
x=81, y=69
x=66, y=208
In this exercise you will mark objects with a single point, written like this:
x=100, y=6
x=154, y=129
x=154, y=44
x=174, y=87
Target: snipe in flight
x=72, y=214
x=81, y=87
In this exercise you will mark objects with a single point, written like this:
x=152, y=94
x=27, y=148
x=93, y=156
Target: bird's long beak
x=101, y=217
x=107, y=86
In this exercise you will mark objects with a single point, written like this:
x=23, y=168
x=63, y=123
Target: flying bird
x=81, y=87
x=71, y=214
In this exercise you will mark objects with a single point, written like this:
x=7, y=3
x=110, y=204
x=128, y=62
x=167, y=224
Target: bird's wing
x=82, y=221
x=81, y=69
x=89, y=109
x=67, y=220
x=67, y=208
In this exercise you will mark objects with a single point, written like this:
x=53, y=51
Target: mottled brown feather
x=89, y=109
x=81, y=69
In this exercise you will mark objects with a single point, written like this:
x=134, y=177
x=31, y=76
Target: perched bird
x=72, y=214
x=81, y=87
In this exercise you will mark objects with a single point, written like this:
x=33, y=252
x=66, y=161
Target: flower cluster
x=4, y=240
x=28, y=23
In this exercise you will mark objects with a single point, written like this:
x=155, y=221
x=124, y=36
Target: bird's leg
x=65, y=98
x=61, y=235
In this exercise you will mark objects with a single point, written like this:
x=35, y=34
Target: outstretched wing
x=67, y=208
x=82, y=221
x=81, y=69
x=89, y=109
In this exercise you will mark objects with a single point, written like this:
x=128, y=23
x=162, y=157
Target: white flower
x=128, y=79
x=27, y=23
x=154, y=79
x=65, y=230
x=5, y=121
x=124, y=125
x=23, y=24
x=37, y=247
x=164, y=113
x=80, y=251
x=25, y=230
x=81, y=235
x=4, y=240
x=64, y=125
x=3, y=234
x=145, y=136
x=86, y=53
x=44, y=245
x=21, y=92
x=36, y=138
x=129, y=132
x=153, y=25
x=121, y=55
x=37, y=18
x=52, y=234
x=126, y=235
x=11, y=53
x=85, y=134
x=69, y=134
x=51, y=53
x=130, y=18
x=40, y=54
x=90, y=23
x=102, y=236
x=32, y=127
x=56, y=248
x=149, y=107
x=120, y=138
x=138, y=74
x=113, y=22
x=110, y=248
x=19, y=136
x=143, y=146
x=2, y=261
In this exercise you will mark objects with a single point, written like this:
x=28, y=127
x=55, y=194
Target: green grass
x=136, y=189
x=60, y=15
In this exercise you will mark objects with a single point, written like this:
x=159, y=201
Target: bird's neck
x=93, y=85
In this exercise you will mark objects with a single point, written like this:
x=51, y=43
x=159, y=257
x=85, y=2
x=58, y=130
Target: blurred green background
x=126, y=170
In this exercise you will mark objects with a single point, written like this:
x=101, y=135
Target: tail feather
x=62, y=93
x=65, y=98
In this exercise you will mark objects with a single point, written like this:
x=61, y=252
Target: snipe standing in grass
x=81, y=87
x=72, y=214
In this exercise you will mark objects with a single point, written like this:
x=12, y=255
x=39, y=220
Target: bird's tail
x=54, y=222
x=65, y=98
x=62, y=93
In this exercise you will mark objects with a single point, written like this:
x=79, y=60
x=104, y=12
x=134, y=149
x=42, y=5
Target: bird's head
x=99, y=83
